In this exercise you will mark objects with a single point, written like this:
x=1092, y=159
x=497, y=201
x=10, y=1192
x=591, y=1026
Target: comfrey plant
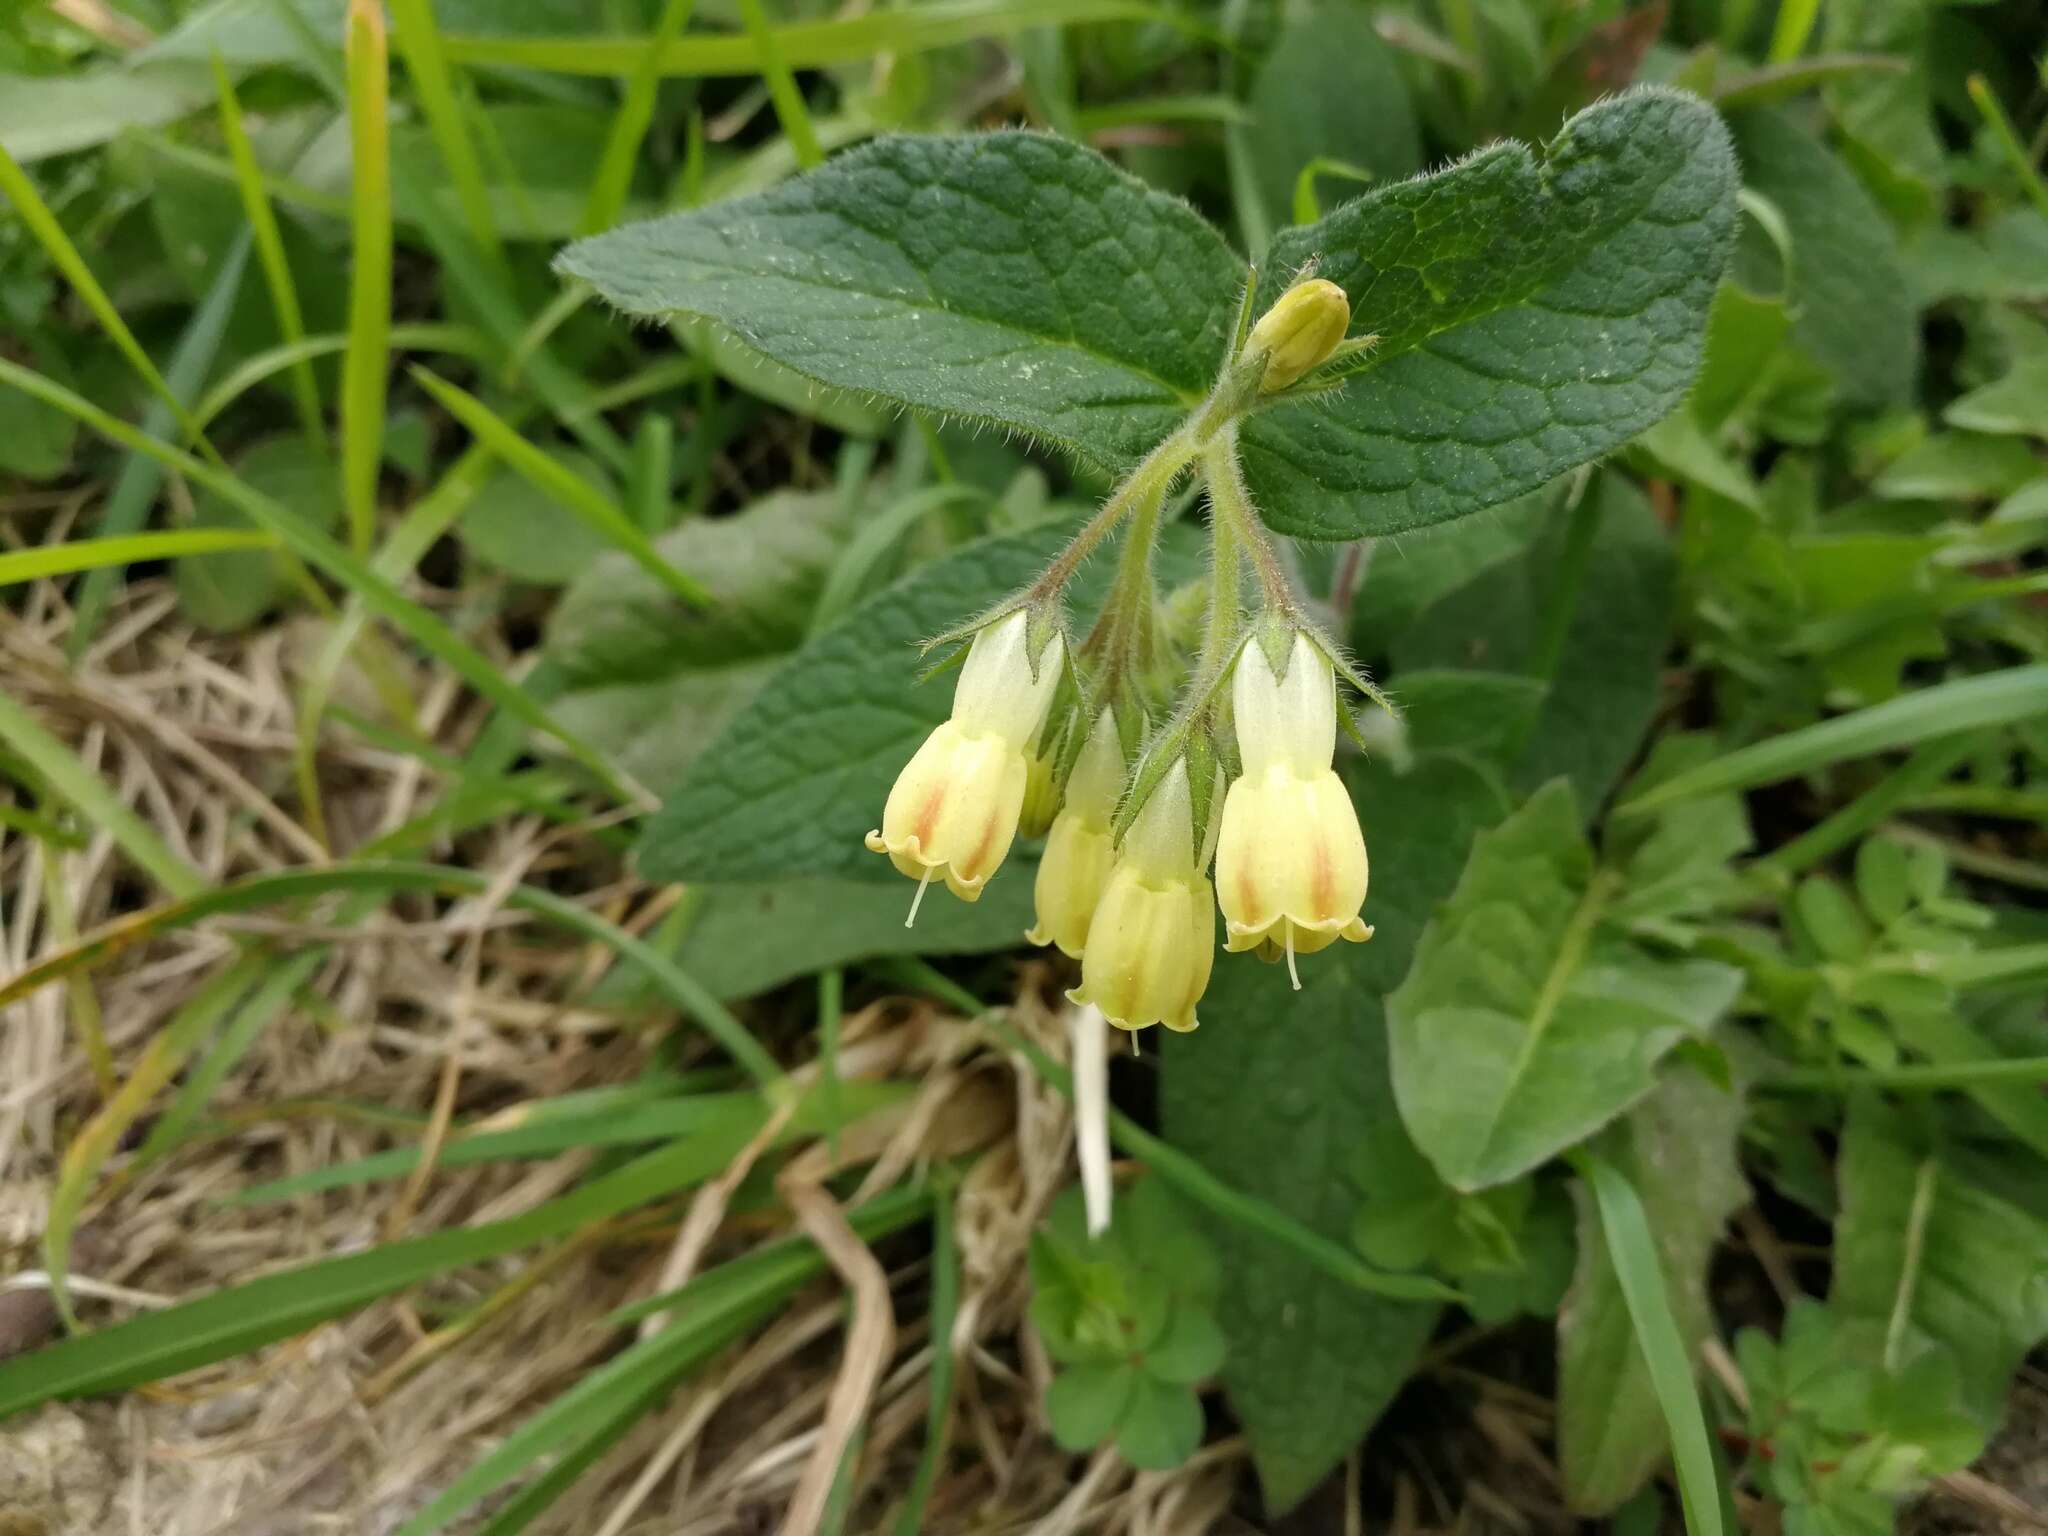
x=1239, y=772
x=1517, y=315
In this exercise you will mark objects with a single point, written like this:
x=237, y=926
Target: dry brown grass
x=439, y=1009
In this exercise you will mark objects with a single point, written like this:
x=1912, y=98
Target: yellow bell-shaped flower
x=1290, y=859
x=1081, y=848
x=953, y=811
x=1152, y=939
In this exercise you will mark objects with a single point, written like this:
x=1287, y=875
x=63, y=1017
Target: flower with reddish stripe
x=954, y=808
x=1290, y=860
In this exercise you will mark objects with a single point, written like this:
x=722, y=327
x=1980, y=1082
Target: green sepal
x=1245, y=314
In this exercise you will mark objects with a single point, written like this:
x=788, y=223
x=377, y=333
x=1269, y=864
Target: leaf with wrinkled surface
x=1524, y=1025
x=1011, y=278
x=1533, y=314
x=1313, y=1362
x=1533, y=311
x=1678, y=1148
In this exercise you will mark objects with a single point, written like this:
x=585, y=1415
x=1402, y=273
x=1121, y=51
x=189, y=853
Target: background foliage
x=1692, y=505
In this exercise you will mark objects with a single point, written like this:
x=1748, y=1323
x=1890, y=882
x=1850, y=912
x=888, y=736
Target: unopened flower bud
x=1152, y=939
x=1300, y=331
x=1290, y=862
x=1081, y=849
x=954, y=808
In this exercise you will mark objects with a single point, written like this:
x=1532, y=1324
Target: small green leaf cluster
x=1129, y=1316
x=1838, y=1433
x=1862, y=968
x=1508, y=1249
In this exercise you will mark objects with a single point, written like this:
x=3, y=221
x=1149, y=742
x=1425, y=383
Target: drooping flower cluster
x=1238, y=768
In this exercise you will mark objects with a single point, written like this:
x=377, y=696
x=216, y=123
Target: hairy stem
x=1148, y=483
x=1231, y=502
x=1226, y=608
x=1122, y=637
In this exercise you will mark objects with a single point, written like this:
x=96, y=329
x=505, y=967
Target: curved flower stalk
x=1290, y=861
x=954, y=809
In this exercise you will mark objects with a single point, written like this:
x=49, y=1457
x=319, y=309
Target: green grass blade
x=256, y=1014
x=562, y=483
x=2008, y=139
x=721, y=1124
x=614, y=178
x=790, y=109
x=1993, y=698
x=465, y=267
x=270, y=255
x=852, y=574
x=91, y=1147
x=49, y=234
x=1634, y=1251
x=246, y=1317
x=1790, y=31
x=452, y=340
x=18, y=565
x=426, y=521
x=1930, y=763
x=687, y=994
x=366, y=365
x=647, y=488
x=419, y=44
x=939, y=1407
x=134, y=493
x=711, y=1312
x=68, y=778
x=577, y=1453
x=805, y=45
x=317, y=549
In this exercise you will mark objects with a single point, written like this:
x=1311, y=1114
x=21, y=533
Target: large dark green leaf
x=1313, y=1362
x=799, y=776
x=796, y=780
x=1009, y=277
x=1533, y=313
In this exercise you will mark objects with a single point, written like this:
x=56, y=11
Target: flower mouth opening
x=907, y=854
